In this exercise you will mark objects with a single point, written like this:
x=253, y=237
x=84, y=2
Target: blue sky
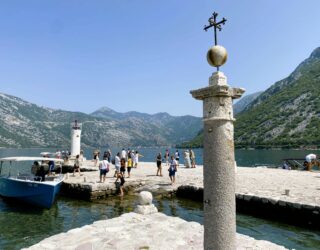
x=146, y=55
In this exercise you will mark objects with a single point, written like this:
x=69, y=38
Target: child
x=120, y=177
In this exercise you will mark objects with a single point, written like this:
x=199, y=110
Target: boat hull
x=36, y=193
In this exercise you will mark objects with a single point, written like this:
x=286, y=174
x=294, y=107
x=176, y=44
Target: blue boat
x=29, y=183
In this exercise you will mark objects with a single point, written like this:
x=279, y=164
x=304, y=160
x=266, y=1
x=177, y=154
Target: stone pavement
x=304, y=187
x=141, y=232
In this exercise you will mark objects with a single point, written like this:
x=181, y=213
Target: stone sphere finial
x=145, y=204
x=217, y=56
x=145, y=198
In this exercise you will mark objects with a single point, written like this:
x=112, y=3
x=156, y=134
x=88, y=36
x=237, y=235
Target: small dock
x=286, y=195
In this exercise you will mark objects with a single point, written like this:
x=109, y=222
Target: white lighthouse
x=75, y=138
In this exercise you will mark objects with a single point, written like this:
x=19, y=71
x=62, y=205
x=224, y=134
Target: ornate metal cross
x=217, y=25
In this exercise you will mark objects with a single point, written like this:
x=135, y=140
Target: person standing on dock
x=108, y=155
x=117, y=164
x=96, y=159
x=159, y=167
x=136, y=157
x=124, y=154
x=172, y=170
x=104, y=169
x=167, y=156
x=192, y=158
x=122, y=166
x=76, y=166
x=187, y=160
x=129, y=165
x=177, y=156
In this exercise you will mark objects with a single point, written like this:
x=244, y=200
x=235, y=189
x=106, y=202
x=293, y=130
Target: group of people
x=173, y=162
x=123, y=161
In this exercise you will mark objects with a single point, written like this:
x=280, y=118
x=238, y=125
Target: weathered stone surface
x=146, y=209
x=134, y=231
x=145, y=198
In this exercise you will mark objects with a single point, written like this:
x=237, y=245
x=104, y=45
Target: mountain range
x=23, y=124
x=285, y=115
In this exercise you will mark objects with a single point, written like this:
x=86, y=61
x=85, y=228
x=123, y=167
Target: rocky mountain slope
x=244, y=102
x=285, y=115
x=23, y=124
x=175, y=128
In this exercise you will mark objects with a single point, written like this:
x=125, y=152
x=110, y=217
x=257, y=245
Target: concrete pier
x=256, y=189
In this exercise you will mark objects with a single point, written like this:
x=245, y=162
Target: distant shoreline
x=259, y=147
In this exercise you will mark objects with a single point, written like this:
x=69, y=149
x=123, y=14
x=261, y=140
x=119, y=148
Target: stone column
x=219, y=162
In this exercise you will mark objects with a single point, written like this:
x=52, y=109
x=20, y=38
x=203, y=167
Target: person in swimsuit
x=159, y=161
x=120, y=177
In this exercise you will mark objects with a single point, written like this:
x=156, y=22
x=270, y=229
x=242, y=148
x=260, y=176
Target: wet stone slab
x=136, y=231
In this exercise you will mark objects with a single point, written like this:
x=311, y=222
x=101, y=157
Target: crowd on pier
x=126, y=160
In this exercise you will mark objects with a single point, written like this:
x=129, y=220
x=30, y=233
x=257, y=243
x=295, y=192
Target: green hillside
x=285, y=115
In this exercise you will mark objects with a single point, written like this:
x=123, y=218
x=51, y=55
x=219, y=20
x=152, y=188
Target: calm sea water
x=25, y=226
x=245, y=158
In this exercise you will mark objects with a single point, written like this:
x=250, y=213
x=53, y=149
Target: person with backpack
x=104, y=169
